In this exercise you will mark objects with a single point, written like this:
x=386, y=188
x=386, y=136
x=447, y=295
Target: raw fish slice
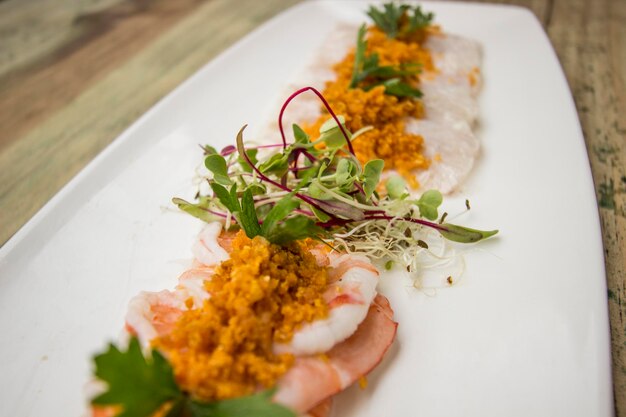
x=452, y=148
x=457, y=59
x=447, y=102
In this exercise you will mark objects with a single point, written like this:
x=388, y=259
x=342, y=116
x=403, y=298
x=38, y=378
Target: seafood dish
x=281, y=310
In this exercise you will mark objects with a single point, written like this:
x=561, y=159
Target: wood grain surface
x=75, y=74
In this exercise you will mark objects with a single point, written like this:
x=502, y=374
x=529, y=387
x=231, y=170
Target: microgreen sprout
x=317, y=188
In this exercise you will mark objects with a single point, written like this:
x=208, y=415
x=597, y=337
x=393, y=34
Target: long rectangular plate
x=524, y=332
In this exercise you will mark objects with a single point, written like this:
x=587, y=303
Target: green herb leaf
x=300, y=135
x=280, y=210
x=418, y=19
x=252, y=156
x=428, y=204
x=294, y=228
x=209, y=150
x=396, y=187
x=137, y=384
x=320, y=215
x=257, y=405
x=277, y=164
x=390, y=19
x=196, y=210
x=367, y=70
x=247, y=218
x=371, y=175
x=331, y=134
x=464, y=234
x=359, y=55
x=226, y=198
x=397, y=87
x=217, y=165
x=346, y=172
x=141, y=386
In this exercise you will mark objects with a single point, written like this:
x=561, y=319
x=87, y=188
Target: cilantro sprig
x=315, y=187
x=367, y=72
x=140, y=386
x=398, y=21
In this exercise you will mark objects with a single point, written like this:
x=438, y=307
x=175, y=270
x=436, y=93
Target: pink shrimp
x=357, y=318
x=313, y=379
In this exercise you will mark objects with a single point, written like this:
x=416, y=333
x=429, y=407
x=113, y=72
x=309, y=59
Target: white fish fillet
x=450, y=102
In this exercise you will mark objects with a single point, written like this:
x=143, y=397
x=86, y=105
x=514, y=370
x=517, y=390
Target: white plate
x=524, y=333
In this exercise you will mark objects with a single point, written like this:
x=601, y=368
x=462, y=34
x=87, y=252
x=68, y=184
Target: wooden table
x=74, y=75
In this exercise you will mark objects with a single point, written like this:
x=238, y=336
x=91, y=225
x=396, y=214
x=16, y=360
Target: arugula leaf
x=428, y=204
x=217, y=165
x=257, y=405
x=463, y=234
x=371, y=175
x=140, y=386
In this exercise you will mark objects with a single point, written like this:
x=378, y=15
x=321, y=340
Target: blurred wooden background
x=75, y=73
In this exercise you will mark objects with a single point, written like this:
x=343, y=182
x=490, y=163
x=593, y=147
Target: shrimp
x=313, y=379
x=348, y=297
x=358, y=317
x=351, y=291
x=207, y=249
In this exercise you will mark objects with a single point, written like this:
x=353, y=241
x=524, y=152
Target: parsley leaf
x=257, y=405
x=398, y=21
x=388, y=19
x=140, y=386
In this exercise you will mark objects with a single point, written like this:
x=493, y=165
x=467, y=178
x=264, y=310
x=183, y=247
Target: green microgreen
x=315, y=187
x=367, y=72
x=140, y=386
x=398, y=21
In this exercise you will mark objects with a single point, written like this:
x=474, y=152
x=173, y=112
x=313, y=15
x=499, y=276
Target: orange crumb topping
x=261, y=295
x=387, y=139
x=473, y=76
